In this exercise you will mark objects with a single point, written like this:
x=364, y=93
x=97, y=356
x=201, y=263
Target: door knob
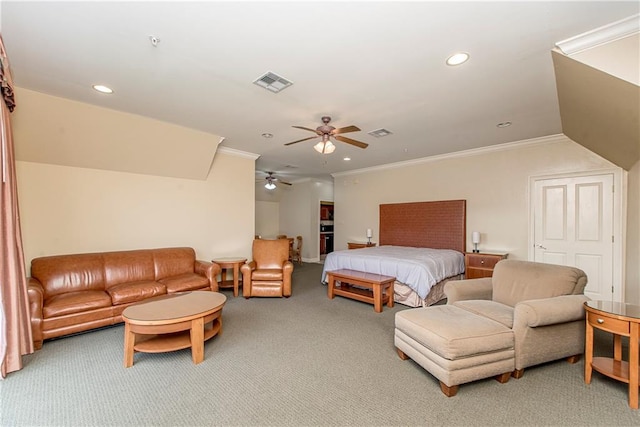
x=539, y=246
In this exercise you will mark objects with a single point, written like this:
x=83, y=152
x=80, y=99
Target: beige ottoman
x=454, y=345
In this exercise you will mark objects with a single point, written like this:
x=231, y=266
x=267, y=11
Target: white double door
x=573, y=224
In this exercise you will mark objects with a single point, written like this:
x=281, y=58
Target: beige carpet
x=305, y=360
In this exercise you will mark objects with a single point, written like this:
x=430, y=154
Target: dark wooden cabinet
x=479, y=264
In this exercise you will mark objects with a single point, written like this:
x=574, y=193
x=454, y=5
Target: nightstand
x=354, y=245
x=480, y=264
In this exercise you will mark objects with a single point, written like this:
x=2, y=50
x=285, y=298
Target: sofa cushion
x=452, y=332
x=132, y=292
x=75, y=302
x=515, y=281
x=60, y=274
x=491, y=309
x=173, y=261
x=267, y=274
x=128, y=267
x=185, y=282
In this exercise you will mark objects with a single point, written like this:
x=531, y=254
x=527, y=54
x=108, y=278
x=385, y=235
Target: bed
x=422, y=244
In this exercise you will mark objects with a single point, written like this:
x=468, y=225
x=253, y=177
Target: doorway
x=576, y=221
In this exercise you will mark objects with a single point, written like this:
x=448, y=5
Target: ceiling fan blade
x=300, y=140
x=345, y=130
x=283, y=182
x=304, y=128
x=351, y=141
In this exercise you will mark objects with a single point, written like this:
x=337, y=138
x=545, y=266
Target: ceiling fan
x=326, y=132
x=271, y=181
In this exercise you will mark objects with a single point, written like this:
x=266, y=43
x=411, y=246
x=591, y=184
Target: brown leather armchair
x=269, y=273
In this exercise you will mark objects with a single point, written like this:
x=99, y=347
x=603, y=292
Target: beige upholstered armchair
x=541, y=303
x=527, y=313
x=269, y=273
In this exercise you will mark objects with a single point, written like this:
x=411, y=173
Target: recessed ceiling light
x=346, y=159
x=503, y=125
x=102, y=89
x=458, y=58
x=267, y=135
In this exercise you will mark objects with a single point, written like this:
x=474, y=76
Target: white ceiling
x=370, y=64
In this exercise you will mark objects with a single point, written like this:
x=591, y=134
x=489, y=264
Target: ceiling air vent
x=272, y=82
x=379, y=133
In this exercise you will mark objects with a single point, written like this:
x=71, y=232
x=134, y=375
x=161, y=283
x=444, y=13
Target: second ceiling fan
x=326, y=132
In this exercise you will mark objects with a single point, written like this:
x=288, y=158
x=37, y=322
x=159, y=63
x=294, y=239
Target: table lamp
x=475, y=238
x=369, y=235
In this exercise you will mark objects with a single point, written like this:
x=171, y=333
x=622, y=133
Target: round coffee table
x=172, y=322
x=230, y=263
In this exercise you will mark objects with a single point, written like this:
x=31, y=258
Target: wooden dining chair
x=296, y=254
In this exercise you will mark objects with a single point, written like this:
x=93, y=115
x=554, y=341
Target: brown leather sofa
x=74, y=293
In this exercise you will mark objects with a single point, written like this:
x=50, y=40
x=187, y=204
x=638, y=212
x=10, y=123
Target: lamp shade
x=369, y=232
x=475, y=237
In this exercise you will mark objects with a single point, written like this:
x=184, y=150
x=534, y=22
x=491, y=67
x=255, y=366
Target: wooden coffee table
x=230, y=263
x=172, y=322
x=372, y=288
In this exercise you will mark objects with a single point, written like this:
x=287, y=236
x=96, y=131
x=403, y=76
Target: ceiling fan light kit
x=327, y=132
x=323, y=147
x=271, y=181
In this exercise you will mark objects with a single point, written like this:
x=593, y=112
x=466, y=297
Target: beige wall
x=71, y=209
x=633, y=236
x=300, y=214
x=74, y=210
x=267, y=219
x=495, y=182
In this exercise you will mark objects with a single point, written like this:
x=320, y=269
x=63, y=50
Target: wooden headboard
x=438, y=224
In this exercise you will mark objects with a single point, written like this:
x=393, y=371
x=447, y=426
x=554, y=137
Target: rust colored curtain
x=15, y=328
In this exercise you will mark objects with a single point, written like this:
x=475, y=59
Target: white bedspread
x=418, y=268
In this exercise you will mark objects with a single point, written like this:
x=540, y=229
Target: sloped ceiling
x=69, y=133
x=599, y=99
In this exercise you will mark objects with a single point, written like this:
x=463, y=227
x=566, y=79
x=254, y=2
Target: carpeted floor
x=305, y=360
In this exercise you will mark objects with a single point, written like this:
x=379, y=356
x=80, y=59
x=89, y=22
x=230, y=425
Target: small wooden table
x=359, y=245
x=379, y=288
x=172, y=322
x=230, y=263
x=620, y=320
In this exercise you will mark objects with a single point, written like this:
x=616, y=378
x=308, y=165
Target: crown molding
x=601, y=35
x=550, y=139
x=237, y=153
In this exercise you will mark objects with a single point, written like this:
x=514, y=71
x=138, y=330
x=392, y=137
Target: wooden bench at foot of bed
x=371, y=288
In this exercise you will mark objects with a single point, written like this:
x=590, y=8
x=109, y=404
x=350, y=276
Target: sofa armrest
x=460, y=290
x=209, y=270
x=287, y=270
x=246, y=269
x=550, y=311
x=35, y=293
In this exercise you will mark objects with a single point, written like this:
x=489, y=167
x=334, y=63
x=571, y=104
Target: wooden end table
x=379, y=288
x=230, y=263
x=172, y=322
x=622, y=320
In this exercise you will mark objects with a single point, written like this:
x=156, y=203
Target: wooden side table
x=358, y=245
x=620, y=320
x=481, y=264
x=230, y=263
